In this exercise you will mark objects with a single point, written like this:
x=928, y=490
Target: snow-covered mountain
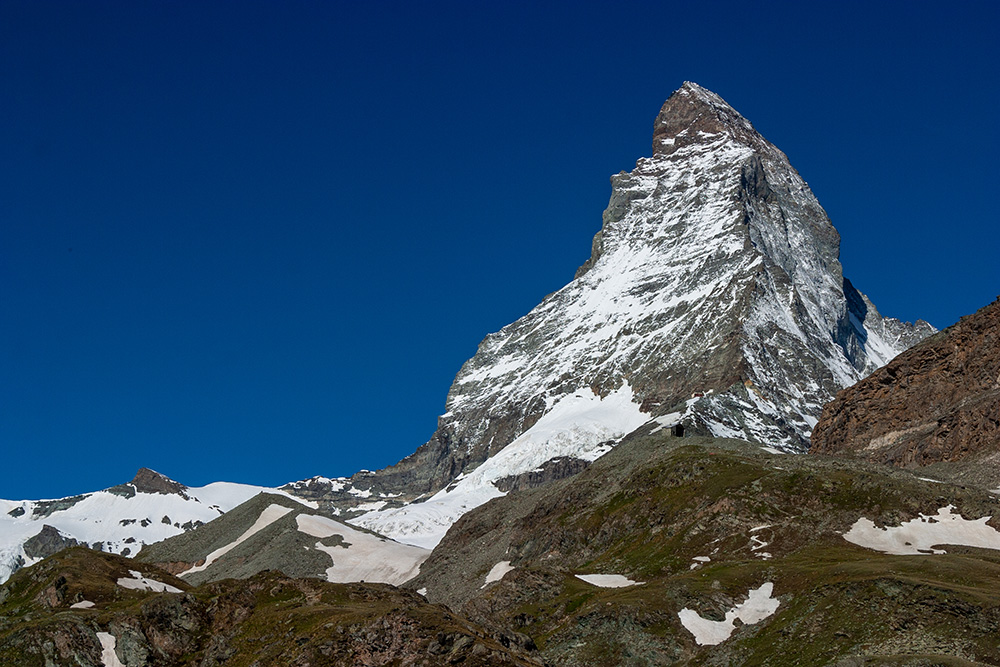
x=713, y=297
x=118, y=520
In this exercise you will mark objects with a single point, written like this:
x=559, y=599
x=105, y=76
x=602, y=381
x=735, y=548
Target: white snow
x=365, y=557
x=758, y=606
x=608, y=580
x=141, y=583
x=83, y=604
x=270, y=514
x=699, y=561
x=422, y=591
x=918, y=536
x=108, y=656
x=497, y=572
x=575, y=426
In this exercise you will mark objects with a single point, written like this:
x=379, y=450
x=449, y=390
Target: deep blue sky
x=255, y=241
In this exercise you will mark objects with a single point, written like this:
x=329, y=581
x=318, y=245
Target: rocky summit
x=713, y=298
x=937, y=404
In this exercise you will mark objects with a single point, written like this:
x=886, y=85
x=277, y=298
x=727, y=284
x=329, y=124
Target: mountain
x=119, y=520
x=713, y=298
x=707, y=551
x=619, y=477
x=275, y=532
x=90, y=609
x=934, y=407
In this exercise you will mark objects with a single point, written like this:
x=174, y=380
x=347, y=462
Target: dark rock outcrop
x=149, y=481
x=550, y=471
x=47, y=542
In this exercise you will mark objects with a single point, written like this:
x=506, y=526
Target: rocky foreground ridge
x=937, y=403
x=89, y=609
x=667, y=550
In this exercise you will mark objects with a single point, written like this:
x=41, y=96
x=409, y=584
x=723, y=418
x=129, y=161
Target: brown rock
x=937, y=402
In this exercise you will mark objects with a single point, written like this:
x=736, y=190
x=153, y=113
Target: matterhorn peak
x=713, y=298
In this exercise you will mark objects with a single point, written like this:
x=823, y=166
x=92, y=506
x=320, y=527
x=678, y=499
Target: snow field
x=575, y=426
x=118, y=522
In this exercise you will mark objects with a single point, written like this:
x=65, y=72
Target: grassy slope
x=647, y=509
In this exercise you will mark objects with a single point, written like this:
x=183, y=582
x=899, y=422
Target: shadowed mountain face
x=713, y=297
x=937, y=404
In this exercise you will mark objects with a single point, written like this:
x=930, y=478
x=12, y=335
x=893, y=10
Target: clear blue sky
x=255, y=241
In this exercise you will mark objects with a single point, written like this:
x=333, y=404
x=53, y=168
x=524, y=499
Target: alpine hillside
x=713, y=298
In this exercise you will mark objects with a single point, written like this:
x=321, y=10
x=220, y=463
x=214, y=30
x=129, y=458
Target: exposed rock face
x=551, y=470
x=150, y=481
x=47, y=542
x=938, y=402
x=713, y=294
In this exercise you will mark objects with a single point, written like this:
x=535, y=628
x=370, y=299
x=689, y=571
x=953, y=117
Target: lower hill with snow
x=117, y=520
x=275, y=532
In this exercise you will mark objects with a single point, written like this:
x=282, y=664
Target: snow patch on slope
x=917, y=537
x=497, y=572
x=608, y=580
x=362, y=556
x=108, y=656
x=758, y=606
x=579, y=425
x=139, y=582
